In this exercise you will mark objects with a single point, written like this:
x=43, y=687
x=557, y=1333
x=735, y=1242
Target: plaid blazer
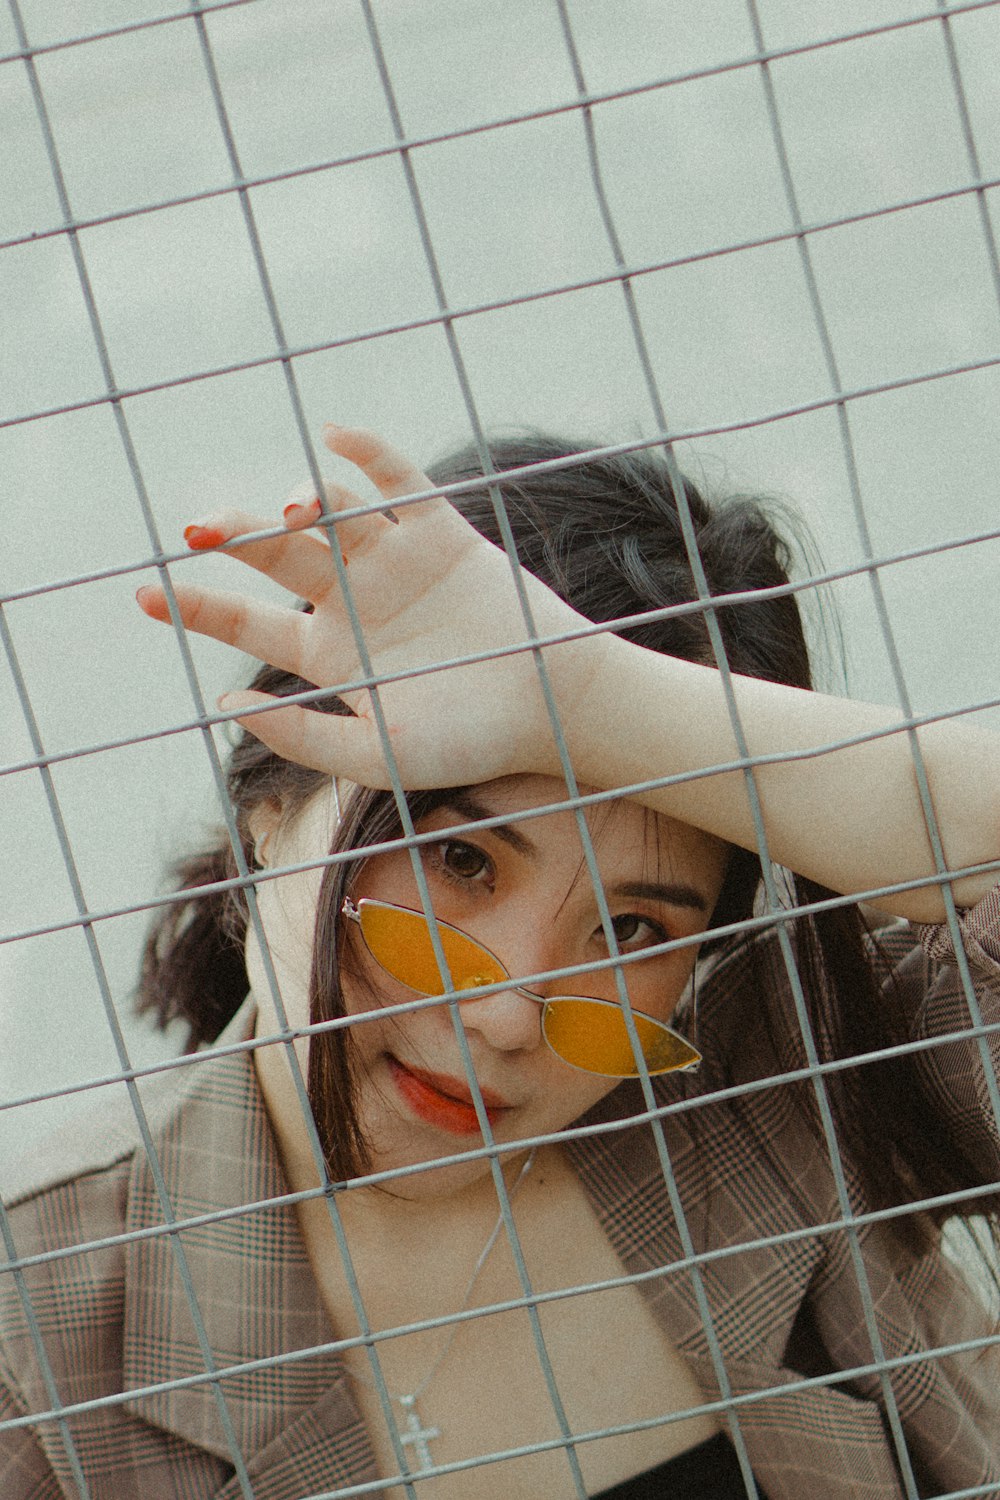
x=755, y=1201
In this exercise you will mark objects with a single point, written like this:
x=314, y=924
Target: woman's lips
x=442, y=1100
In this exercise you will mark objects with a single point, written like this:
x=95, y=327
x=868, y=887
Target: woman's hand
x=427, y=589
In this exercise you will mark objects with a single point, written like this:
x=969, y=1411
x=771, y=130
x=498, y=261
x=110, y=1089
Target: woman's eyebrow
x=671, y=893
x=471, y=811
x=674, y=893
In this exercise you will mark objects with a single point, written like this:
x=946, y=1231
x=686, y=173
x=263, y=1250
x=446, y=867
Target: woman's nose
x=508, y=1020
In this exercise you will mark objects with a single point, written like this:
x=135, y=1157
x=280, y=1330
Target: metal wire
x=410, y=143
x=584, y=106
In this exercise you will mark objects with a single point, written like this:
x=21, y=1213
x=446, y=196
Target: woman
x=698, y=1279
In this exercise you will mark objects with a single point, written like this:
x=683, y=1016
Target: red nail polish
x=200, y=538
x=295, y=510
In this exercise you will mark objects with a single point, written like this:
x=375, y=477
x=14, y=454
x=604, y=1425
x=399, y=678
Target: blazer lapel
x=322, y=1450
x=753, y=1291
x=257, y=1301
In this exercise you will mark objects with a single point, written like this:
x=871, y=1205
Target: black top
x=710, y=1471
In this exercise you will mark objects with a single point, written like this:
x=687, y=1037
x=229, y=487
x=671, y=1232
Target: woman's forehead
x=618, y=824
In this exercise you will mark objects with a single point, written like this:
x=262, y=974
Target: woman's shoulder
x=64, y=1196
x=65, y=1210
x=73, y=1202
x=105, y=1135
x=92, y=1141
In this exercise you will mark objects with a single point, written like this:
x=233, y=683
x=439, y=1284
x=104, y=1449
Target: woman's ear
x=263, y=821
x=303, y=827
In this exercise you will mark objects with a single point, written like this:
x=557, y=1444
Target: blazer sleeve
x=954, y=999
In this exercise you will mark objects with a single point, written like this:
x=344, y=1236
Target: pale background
x=689, y=168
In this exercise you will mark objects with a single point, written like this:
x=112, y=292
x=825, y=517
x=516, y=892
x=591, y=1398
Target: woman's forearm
x=851, y=819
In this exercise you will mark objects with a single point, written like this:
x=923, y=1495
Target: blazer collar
x=248, y=1275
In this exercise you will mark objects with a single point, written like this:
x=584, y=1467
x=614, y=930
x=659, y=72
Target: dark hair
x=606, y=535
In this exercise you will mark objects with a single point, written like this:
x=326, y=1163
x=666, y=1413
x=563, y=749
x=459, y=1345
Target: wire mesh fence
x=760, y=241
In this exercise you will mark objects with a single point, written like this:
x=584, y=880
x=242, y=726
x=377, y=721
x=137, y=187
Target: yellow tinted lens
x=593, y=1036
x=401, y=942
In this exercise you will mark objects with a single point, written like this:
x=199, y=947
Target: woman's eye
x=629, y=927
x=464, y=861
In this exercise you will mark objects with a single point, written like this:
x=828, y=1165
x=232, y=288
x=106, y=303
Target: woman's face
x=523, y=891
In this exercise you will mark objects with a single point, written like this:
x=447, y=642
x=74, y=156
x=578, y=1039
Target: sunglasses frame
x=353, y=914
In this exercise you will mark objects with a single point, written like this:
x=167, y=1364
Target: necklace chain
x=416, y=1434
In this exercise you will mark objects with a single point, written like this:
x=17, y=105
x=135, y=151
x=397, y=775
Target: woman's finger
x=353, y=535
x=265, y=631
x=300, y=563
x=335, y=743
x=391, y=472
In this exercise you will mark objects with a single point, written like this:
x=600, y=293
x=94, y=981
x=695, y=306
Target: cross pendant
x=416, y=1434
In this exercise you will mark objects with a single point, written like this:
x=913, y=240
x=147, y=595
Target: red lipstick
x=442, y=1100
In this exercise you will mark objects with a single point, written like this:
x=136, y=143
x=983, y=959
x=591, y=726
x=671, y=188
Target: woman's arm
x=428, y=588
x=850, y=819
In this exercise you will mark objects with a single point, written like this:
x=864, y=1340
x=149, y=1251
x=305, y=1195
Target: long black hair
x=606, y=534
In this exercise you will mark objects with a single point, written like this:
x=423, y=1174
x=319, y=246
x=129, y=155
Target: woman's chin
x=411, y=1131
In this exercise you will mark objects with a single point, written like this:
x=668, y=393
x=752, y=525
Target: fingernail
x=296, y=508
x=152, y=603
x=226, y=702
x=199, y=538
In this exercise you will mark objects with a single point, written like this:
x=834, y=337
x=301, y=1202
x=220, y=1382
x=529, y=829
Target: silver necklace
x=417, y=1435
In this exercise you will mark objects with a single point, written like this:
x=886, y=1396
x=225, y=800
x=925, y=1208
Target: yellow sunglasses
x=585, y=1032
